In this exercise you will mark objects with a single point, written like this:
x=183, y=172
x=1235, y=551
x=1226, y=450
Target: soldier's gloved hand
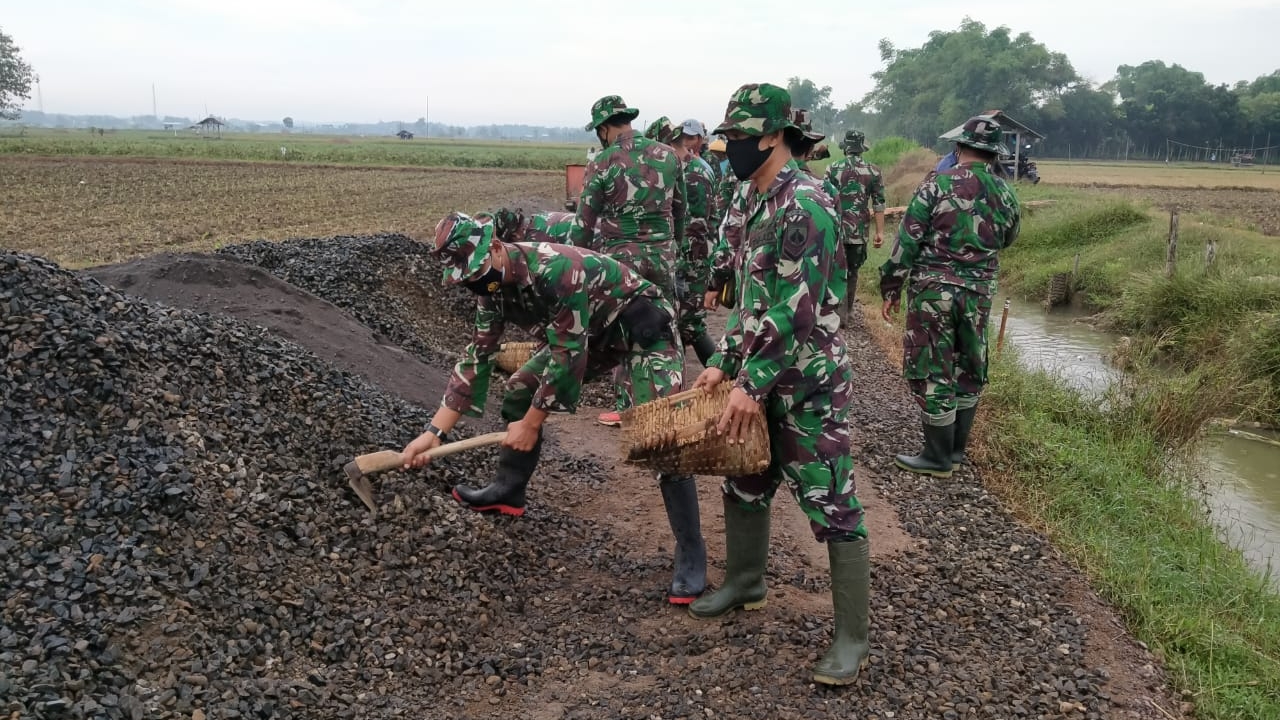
x=414, y=454
x=709, y=378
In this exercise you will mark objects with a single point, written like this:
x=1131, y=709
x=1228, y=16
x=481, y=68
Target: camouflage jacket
x=545, y=227
x=633, y=193
x=859, y=191
x=783, y=336
x=567, y=297
x=954, y=226
x=700, y=230
x=728, y=234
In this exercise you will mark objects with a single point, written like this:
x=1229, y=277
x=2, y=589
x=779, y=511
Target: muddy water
x=1242, y=476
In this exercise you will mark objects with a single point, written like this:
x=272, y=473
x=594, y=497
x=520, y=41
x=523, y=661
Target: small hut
x=1017, y=135
x=404, y=135
x=209, y=127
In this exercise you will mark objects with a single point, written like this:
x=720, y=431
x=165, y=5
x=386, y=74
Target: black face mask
x=745, y=156
x=486, y=284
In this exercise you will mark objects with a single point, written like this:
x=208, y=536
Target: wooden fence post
x=1171, y=257
x=1210, y=253
x=1004, y=317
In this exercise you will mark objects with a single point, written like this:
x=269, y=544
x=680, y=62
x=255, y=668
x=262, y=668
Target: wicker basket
x=514, y=354
x=677, y=434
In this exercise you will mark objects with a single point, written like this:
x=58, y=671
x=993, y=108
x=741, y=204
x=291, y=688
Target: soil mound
x=226, y=286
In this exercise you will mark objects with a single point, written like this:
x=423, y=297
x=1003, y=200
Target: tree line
x=1152, y=110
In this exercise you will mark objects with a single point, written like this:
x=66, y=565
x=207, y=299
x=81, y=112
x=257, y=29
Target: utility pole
x=155, y=115
x=426, y=118
x=39, y=95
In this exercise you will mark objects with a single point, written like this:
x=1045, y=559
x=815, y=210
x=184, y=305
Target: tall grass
x=886, y=152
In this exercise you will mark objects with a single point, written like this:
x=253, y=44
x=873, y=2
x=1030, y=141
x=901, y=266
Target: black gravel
x=179, y=542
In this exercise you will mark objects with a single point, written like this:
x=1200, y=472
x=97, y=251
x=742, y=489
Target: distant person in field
x=859, y=189
x=631, y=208
x=590, y=314
x=945, y=256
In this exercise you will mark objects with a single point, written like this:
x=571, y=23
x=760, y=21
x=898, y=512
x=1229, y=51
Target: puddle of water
x=1243, y=476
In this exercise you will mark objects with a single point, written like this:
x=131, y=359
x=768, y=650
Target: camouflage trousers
x=653, y=262
x=810, y=449
x=944, y=350
x=693, y=316
x=647, y=373
x=855, y=255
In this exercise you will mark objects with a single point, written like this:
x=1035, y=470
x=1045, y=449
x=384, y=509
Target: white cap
x=693, y=128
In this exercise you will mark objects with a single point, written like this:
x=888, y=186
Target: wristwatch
x=431, y=428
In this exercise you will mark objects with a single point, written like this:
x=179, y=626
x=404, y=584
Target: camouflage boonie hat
x=661, y=130
x=757, y=109
x=506, y=222
x=462, y=244
x=608, y=106
x=855, y=141
x=803, y=119
x=982, y=133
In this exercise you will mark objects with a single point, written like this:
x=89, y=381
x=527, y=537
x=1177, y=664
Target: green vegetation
x=1099, y=484
x=286, y=148
x=1216, y=324
x=886, y=152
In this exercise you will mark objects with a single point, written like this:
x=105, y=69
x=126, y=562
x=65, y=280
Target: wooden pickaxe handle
x=357, y=470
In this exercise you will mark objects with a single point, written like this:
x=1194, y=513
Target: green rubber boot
x=935, y=458
x=746, y=547
x=850, y=587
x=964, y=423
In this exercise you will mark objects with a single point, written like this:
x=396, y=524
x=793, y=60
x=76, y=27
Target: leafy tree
x=15, y=79
x=806, y=94
x=922, y=92
x=288, y=123
x=1159, y=102
x=1081, y=122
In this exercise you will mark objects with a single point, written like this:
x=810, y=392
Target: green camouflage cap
x=462, y=244
x=855, y=141
x=757, y=109
x=803, y=119
x=608, y=106
x=982, y=133
x=661, y=130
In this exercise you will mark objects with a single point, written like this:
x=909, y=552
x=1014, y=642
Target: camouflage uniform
x=699, y=236
x=632, y=204
x=543, y=227
x=591, y=313
x=784, y=350
x=859, y=191
x=946, y=247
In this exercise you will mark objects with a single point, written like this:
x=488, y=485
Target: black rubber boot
x=689, y=574
x=746, y=549
x=704, y=348
x=505, y=494
x=964, y=423
x=935, y=458
x=850, y=588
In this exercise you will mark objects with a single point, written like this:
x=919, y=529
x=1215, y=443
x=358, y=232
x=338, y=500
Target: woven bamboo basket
x=514, y=354
x=677, y=434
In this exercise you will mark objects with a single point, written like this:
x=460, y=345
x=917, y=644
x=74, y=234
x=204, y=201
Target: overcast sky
x=544, y=63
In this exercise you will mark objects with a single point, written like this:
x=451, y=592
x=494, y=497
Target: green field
x=296, y=148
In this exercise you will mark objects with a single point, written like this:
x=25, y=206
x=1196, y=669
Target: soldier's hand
x=709, y=378
x=879, y=241
x=521, y=435
x=711, y=299
x=889, y=309
x=737, y=416
x=414, y=454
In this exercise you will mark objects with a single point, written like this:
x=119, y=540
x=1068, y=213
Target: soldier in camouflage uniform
x=957, y=222
x=695, y=266
x=858, y=188
x=787, y=359
x=543, y=227
x=591, y=313
x=632, y=204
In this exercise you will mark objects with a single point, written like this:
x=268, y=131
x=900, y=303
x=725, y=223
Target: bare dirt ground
x=84, y=211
